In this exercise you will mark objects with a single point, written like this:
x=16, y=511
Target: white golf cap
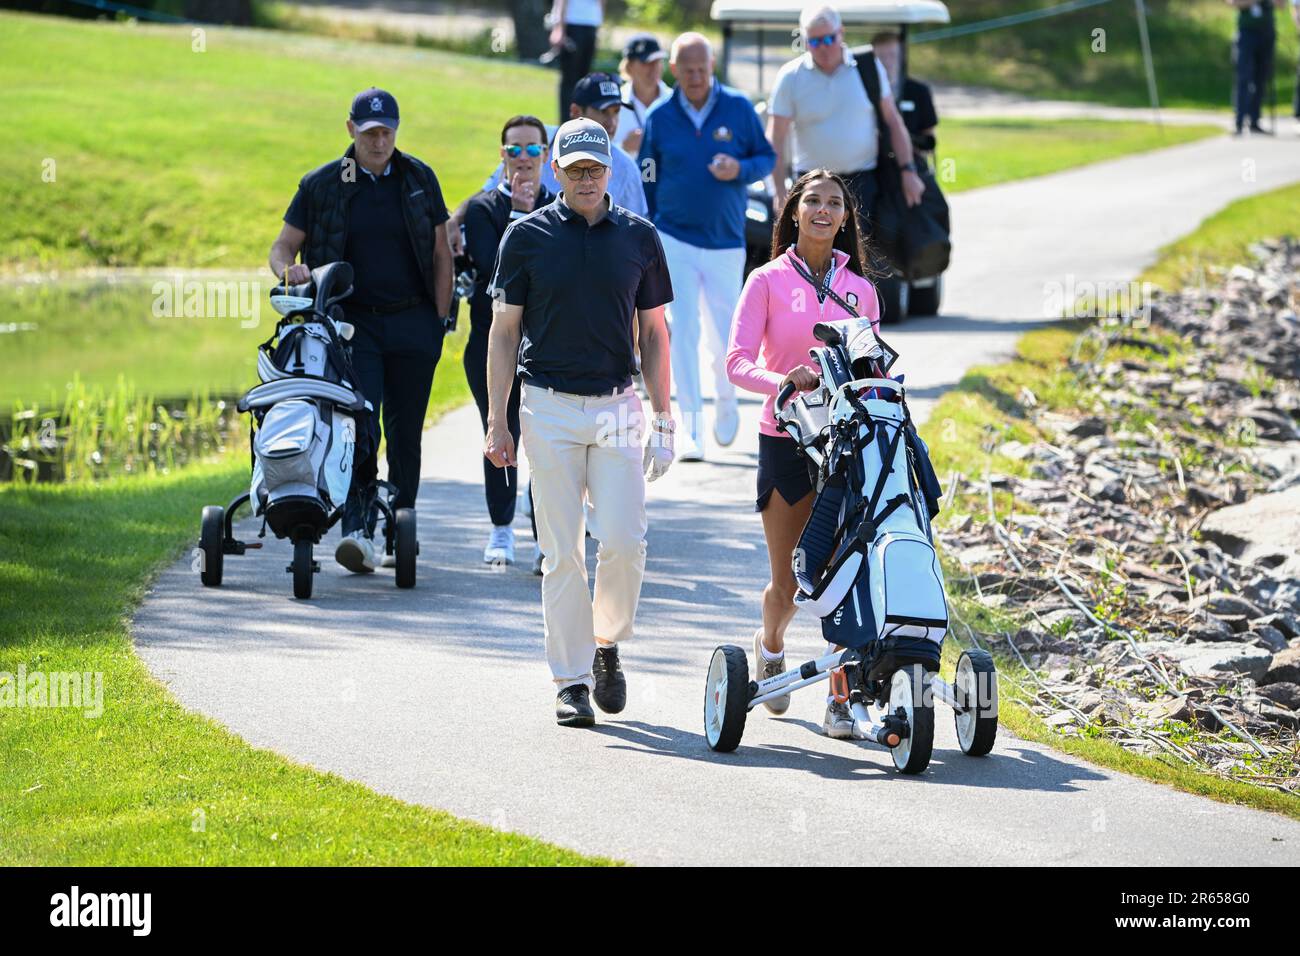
x=582, y=139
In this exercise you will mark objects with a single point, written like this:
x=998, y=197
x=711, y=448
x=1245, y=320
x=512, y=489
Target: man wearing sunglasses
x=819, y=101
x=575, y=281
x=597, y=97
x=523, y=152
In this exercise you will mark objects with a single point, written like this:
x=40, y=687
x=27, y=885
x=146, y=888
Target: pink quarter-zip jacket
x=772, y=329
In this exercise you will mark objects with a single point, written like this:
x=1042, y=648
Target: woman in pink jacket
x=816, y=247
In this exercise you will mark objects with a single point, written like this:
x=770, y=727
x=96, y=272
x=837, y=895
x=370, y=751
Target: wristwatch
x=663, y=423
x=909, y=166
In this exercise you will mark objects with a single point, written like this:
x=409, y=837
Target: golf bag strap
x=887, y=465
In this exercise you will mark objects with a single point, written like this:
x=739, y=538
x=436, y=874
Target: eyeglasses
x=828, y=40
x=578, y=173
x=533, y=149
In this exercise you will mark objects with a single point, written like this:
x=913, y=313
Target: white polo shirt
x=634, y=118
x=585, y=13
x=833, y=124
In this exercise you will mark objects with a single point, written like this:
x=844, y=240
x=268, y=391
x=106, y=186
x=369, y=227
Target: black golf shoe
x=611, y=685
x=573, y=708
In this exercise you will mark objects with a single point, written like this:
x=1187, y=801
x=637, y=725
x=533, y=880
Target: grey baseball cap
x=582, y=139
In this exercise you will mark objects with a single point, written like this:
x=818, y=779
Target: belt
x=606, y=393
x=387, y=309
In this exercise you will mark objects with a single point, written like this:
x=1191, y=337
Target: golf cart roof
x=879, y=11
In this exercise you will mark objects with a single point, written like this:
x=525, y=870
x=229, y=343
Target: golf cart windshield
x=759, y=36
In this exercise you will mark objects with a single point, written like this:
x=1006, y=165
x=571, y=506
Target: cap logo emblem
x=376, y=104
x=577, y=139
x=608, y=89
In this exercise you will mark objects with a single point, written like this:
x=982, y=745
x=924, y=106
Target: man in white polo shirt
x=820, y=116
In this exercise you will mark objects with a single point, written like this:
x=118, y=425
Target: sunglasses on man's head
x=533, y=149
x=828, y=40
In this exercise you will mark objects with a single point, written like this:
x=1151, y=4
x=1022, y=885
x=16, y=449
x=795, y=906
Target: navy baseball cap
x=374, y=107
x=645, y=47
x=598, y=91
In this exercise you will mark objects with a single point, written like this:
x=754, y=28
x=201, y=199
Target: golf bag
x=865, y=563
x=305, y=431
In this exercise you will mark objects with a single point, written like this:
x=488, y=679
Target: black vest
x=329, y=196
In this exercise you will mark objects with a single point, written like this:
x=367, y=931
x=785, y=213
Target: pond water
x=121, y=374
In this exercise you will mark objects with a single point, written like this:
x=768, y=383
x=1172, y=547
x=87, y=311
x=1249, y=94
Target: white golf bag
x=866, y=563
x=305, y=408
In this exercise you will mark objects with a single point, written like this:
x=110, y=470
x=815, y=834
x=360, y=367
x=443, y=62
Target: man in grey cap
x=575, y=281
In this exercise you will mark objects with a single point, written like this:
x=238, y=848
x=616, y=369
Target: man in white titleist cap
x=572, y=280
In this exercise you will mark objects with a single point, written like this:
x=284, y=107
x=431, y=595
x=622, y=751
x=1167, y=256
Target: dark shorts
x=781, y=467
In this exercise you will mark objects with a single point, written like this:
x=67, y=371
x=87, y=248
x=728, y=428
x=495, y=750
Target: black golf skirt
x=783, y=469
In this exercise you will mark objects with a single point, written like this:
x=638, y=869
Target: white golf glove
x=658, y=448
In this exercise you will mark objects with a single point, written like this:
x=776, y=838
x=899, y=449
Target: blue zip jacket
x=684, y=198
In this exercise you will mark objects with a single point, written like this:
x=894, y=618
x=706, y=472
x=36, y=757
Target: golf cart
x=758, y=38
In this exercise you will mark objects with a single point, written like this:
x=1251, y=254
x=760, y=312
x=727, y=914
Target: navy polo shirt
x=378, y=244
x=580, y=287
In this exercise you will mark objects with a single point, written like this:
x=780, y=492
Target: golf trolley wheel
x=726, y=698
x=977, y=683
x=302, y=568
x=912, y=755
x=405, y=547
x=211, y=534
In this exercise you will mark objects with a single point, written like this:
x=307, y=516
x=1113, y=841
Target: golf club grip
x=785, y=394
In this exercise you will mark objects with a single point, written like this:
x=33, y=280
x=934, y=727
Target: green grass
x=148, y=783
x=1224, y=239
x=1053, y=58
x=982, y=152
x=172, y=158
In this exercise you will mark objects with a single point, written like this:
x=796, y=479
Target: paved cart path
x=441, y=695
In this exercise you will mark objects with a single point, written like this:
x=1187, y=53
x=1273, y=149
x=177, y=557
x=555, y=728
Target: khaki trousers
x=586, y=448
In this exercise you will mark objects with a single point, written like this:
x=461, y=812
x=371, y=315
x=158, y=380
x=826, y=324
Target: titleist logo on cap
x=577, y=139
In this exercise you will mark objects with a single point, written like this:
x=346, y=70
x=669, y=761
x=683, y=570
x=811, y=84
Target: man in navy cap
x=575, y=282
x=643, y=69
x=382, y=211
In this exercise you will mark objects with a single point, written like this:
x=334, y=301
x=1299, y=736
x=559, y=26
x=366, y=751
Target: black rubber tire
x=405, y=546
x=986, y=707
x=302, y=568
x=893, y=299
x=211, y=534
x=731, y=702
x=925, y=300
x=922, y=724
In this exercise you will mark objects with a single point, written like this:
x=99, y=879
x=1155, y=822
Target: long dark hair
x=849, y=239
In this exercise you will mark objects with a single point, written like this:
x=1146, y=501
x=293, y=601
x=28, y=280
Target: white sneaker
x=726, y=422
x=356, y=552
x=689, y=448
x=838, y=722
x=389, y=560
x=537, y=560
x=501, y=546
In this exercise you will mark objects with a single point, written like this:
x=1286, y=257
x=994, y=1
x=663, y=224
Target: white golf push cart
x=305, y=434
x=866, y=566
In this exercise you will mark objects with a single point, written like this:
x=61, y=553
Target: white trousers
x=584, y=448
x=712, y=278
